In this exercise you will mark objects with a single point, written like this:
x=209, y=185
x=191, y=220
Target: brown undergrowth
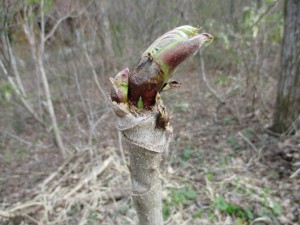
x=222, y=167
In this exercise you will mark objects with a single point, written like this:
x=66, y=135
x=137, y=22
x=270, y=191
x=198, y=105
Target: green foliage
x=18, y=123
x=276, y=207
x=48, y=4
x=273, y=174
x=166, y=211
x=249, y=17
x=198, y=214
x=181, y=106
x=249, y=133
x=21, y=152
x=240, y=221
x=33, y=2
x=8, y=155
x=221, y=204
x=6, y=92
x=122, y=209
x=222, y=80
x=234, y=142
x=178, y=197
x=254, y=17
x=182, y=195
x=224, y=38
x=186, y=154
x=74, y=210
x=209, y=176
x=268, y=207
x=228, y=121
x=93, y=218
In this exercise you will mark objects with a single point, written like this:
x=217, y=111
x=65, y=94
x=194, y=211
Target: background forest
x=61, y=157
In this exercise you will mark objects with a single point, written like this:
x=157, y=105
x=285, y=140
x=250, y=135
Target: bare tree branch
x=206, y=81
x=95, y=76
x=23, y=100
x=56, y=26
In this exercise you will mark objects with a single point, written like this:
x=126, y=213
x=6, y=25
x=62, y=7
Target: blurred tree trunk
x=287, y=108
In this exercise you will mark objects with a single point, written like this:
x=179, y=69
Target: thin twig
x=248, y=141
x=17, y=138
x=84, y=105
x=94, y=125
x=56, y=26
x=20, y=95
x=295, y=173
x=61, y=168
x=40, y=64
x=95, y=75
x=16, y=71
x=262, y=219
x=269, y=9
x=97, y=171
x=10, y=215
x=206, y=81
x=66, y=16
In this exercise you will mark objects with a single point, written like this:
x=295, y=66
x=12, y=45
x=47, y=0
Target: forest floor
x=222, y=167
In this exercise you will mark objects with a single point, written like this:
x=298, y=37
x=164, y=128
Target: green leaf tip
x=140, y=103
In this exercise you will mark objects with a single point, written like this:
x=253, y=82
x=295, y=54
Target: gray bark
x=287, y=109
x=145, y=142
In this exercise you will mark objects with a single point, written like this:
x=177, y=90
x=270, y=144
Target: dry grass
x=93, y=187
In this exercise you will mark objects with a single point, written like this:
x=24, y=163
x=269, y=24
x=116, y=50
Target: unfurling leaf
x=119, y=90
x=160, y=60
x=140, y=103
